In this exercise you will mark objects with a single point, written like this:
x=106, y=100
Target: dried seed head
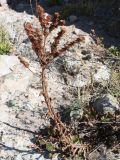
x=40, y=11
x=55, y=21
x=57, y=39
x=36, y=38
x=42, y=19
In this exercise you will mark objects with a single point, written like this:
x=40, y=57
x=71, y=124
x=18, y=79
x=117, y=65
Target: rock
x=103, y=74
x=112, y=156
x=15, y=74
x=72, y=18
x=72, y=67
x=81, y=71
x=76, y=110
x=7, y=63
x=20, y=106
x=87, y=57
x=99, y=154
x=106, y=104
x=15, y=28
x=19, y=157
x=3, y=3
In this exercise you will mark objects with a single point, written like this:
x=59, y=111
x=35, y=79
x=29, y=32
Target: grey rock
x=102, y=74
x=71, y=66
x=76, y=110
x=76, y=114
x=13, y=73
x=82, y=70
x=106, y=104
x=19, y=157
x=3, y=3
x=87, y=57
x=99, y=154
x=15, y=28
x=112, y=156
x=7, y=63
x=18, y=101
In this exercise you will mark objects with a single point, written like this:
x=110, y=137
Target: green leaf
x=50, y=147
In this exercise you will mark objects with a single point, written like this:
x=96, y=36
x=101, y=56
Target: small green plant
x=4, y=48
x=5, y=44
x=114, y=50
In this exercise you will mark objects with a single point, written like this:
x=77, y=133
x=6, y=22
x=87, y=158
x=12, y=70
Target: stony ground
x=22, y=108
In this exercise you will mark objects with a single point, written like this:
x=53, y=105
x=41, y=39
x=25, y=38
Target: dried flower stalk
x=38, y=40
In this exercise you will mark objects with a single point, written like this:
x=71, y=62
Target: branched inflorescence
x=38, y=39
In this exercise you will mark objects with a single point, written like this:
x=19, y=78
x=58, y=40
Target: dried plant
x=38, y=39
